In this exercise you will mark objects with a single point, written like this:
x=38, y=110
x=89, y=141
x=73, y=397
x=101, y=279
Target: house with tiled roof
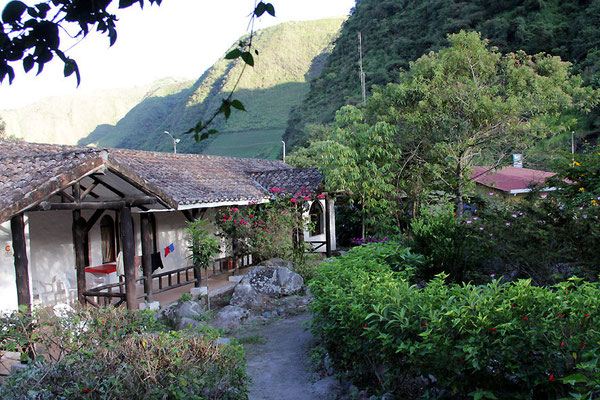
x=65, y=210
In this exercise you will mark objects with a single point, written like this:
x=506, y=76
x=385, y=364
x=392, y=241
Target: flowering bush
x=505, y=341
x=266, y=230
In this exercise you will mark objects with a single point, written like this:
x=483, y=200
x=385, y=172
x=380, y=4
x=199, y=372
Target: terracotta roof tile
x=291, y=180
x=178, y=179
x=509, y=178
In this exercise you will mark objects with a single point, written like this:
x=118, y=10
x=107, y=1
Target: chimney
x=518, y=160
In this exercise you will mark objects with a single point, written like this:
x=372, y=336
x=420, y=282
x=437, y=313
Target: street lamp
x=175, y=141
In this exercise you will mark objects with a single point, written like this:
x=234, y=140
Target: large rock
x=230, y=318
x=273, y=281
x=184, y=315
x=246, y=296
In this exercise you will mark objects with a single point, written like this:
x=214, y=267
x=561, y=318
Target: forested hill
x=395, y=32
x=290, y=55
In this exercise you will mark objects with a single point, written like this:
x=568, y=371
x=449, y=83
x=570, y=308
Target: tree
x=469, y=104
x=30, y=35
x=360, y=159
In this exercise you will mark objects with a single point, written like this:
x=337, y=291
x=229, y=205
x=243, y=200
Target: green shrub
x=115, y=354
x=509, y=340
x=446, y=243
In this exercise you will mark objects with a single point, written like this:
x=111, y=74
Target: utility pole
x=283, y=143
x=362, y=73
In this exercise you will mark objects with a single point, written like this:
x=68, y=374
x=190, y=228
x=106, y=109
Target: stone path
x=280, y=368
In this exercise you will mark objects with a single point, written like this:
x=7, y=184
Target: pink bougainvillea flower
x=293, y=200
x=305, y=198
x=562, y=344
x=251, y=216
x=321, y=196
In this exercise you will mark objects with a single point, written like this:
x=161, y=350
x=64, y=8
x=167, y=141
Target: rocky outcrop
x=230, y=318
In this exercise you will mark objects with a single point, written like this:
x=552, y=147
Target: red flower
x=117, y=325
x=493, y=329
x=567, y=292
x=560, y=316
x=524, y=318
x=86, y=390
x=562, y=344
x=251, y=216
x=424, y=324
x=582, y=345
x=551, y=377
x=586, y=315
x=364, y=326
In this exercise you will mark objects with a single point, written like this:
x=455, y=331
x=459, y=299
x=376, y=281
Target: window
x=107, y=234
x=316, y=218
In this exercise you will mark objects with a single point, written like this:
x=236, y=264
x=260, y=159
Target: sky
x=181, y=38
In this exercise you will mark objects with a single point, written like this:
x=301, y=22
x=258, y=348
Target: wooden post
x=328, y=226
x=128, y=258
x=79, y=233
x=146, y=236
x=17, y=228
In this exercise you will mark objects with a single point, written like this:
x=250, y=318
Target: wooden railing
x=105, y=295
x=312, y=248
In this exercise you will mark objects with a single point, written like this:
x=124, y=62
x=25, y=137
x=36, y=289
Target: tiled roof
x=290, y=181
x=25, y=179
x=30, y=172
x=192, y=178
x=509, y=179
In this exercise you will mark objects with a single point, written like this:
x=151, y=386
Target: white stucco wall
x=319, y=238
x=8, y=287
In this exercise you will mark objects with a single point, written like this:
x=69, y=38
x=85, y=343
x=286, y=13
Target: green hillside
x=290, y=55
x=67, y=119
x=397, y=32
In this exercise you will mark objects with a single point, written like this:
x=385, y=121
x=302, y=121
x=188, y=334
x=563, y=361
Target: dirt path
x=280, y=368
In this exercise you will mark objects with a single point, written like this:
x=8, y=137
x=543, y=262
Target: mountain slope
x=290, y=54
x=397, y=32
x=67, y=119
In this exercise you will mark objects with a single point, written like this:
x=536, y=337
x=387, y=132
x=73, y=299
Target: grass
x=252, y=339
x=264, y=143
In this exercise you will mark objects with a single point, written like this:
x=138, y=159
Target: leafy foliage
x=111, y=353
x=398, y=32
x=497, y=340
x=202, y=245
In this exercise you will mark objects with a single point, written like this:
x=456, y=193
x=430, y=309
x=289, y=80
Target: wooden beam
x=66, y=196
x=79, y=247
x=128, y=257
x=106, y=185
x=88, y=190
x=92, y=221
x=147, y=249
x=94, y=195
x=188, y=215
x=97, y=205
x=17, y=228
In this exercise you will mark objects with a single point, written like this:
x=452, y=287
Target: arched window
x=316, y=218
x=107, y=234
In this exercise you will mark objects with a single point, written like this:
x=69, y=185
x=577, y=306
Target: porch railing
x=115, y=293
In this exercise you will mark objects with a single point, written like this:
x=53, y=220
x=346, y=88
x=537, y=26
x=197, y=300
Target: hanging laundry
x=169, y=249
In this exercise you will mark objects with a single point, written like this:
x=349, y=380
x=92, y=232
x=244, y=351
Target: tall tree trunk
x=362, y=221
x=458, y=199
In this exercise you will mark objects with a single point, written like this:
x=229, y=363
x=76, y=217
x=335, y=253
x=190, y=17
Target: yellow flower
x=594, y=202
x=576, y=163
x=581, y=189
